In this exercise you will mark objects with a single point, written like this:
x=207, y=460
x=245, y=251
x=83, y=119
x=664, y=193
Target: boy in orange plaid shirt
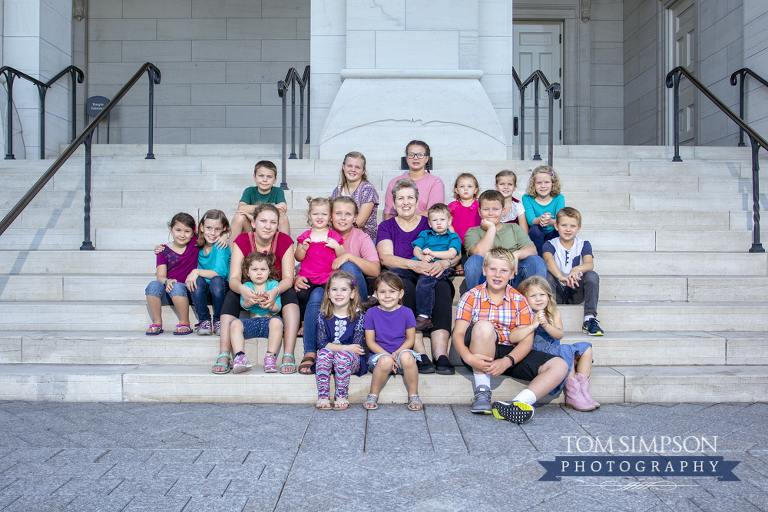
x=493, y=334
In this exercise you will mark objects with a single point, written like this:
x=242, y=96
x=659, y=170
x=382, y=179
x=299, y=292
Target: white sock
x=525, y=396
x=587, y=317
x=423, y=316
x=482, y=379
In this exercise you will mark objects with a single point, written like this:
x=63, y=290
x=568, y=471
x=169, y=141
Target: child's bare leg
x=381, y=373
x=550, y=375
x=410, y=372
x=240, y=224
x=224, y=343
x=291, y=317
x=283, y=225
x=483, y=340
x=155, y=309
x=182, y=308
x=584, y=363
x=275, y=335
x=236, y=336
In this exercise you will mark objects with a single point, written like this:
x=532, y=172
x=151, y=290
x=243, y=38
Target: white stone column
x=37, y=40
x=411, y=70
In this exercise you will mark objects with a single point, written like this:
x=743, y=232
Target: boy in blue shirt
x=437, y=243
x=570, y=266
x=265, y=191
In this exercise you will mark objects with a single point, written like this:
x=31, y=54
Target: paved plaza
x=254, y=457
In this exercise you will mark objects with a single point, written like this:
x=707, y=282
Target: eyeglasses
x=417, y=156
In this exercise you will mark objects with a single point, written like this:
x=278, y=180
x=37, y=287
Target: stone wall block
x=254, y=117
x=122, y=30
x=452, y=15
x=105, y=9
x=226, y=136
x=226, y=94
x=208, y=9
x=329, y=18
x=165, y=94
x=22, y=53
x=231, y=50
x=105, y=51
x=264, y=28
x=153, y=9
x=494, y=18
x=375, y=15
x=21, y=19
x=468, y=50
x=495, y=55
x=191, y=29
x=285, y=8
x=330, y=54
x=360, y=49
x=192, y=72
x=190, y=116
x=303, y=30
x=260, y=72
x=285, y=50
x=157, y=51
x=417, y=50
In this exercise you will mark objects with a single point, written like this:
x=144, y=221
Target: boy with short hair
x=493, y=336
x=494, y=233
x=571, y=268
x=437, y=243
x=265, y=191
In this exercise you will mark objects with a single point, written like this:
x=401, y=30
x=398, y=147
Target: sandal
x=291, y=365
x=182, y=330
x=305, y=368
x=270, y=363
x=414, y=403
x=154, y=330
x=241, y=364
x=459, y=270
x=340, y=404
x=323, y=404
x=372, y=402
x=217, y=364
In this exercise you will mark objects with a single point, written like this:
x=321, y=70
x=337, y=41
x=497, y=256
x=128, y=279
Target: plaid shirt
x=514, y=311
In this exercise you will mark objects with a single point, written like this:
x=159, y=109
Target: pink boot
x=574, y=398
x=584, y=381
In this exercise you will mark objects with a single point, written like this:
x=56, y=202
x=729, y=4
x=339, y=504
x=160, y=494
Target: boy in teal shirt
x=265, y=191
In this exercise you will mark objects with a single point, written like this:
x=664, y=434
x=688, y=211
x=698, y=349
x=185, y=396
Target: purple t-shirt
x=178, y=265
x=390, y=326
x=401, y=240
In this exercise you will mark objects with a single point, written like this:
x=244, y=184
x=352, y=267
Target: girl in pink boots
x=549, y=332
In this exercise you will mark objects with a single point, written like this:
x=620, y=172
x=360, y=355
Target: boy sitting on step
x=570, y=268
x=491, y=337
x=265, y=191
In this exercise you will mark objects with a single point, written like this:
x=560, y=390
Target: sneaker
x=481, y=402
x=592, y=328
x=425, y=365
x=516, y=412
x=217, y=327
x=204, y=328
x=241, y=364
x=423, y=323
x=444, y=366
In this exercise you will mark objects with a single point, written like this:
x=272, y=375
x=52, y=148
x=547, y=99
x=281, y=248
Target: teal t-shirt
x=252, y=196
x=258, y=310
x=216, y=260
x=534, y=209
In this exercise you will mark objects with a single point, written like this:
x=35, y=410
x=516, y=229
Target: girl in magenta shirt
x=317, y=248
x=465, y=210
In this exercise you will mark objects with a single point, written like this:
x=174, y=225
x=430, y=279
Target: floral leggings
x=345, y=364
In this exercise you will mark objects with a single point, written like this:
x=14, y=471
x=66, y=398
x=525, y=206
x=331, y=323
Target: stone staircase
x=683, y=302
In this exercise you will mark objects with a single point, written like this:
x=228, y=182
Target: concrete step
x=614, y=316
x=662, y=348
x=170, y=150
x=179, y=383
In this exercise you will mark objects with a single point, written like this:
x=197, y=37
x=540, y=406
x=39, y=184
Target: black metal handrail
x=742, y=73
x=673, y=82
x=42, y=88
x=291, y=79
x=85, y=138
x=553, y=92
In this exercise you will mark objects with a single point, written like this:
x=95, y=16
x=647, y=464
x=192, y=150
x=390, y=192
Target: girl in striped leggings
x=340, y=340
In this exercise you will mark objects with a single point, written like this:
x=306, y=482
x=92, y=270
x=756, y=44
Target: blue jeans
x=215, y=291
x=316, y=299
x=157, y=289
x=538, y=236
x=425, y=291
x=530, y=266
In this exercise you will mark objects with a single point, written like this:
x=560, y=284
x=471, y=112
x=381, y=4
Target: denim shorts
x=257, y=327
x=157, y=289
x=374, y=358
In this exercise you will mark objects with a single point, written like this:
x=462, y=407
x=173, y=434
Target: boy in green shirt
x=265, y=176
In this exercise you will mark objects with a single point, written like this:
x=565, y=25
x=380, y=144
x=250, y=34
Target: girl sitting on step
x=175, y=261
x=548, y=329
x=340, y=340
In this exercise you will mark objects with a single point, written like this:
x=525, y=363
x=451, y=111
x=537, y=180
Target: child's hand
x=269, y=300
x=487, y=224
x=426, y=257
x=355, y=349
x=480, y=362
x=250, y=297
x=159, y=249
x=332, y=244
x=300, y=283
x=305, y=244
x=545, y=219
x=426, y=251
x=169, y=284
x=191, y=281
x=395, y=355
x=222, y=242
x=282, y=207
x=243, y=213
x=499, y=366
x=541, y=317
x=574, y=278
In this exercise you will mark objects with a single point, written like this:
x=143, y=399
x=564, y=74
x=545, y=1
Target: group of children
x=498, y=330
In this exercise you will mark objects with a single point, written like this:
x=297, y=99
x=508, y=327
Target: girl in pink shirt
x=317, y=248
x=431, y=188
x=465, y=210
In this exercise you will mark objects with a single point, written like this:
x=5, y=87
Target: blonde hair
x=568, y=211
x=540, y=282
x=499, y=253
x=506, y=174
x=353, y=307
x=364, y=177
x=543, y=169
x=317, y=201
x=465, y=176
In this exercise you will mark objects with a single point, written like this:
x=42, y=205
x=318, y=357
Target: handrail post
x=150, y=133
x=87, y=244
x=757, y=247
x=308, y=106
x=522, y=123
x=9, y=76
x=551, y=128
x=73, y=75
x=281, y=89
x=41, y=91
x=293, y=118
x=742, y=76
x=676, y=118
x=301, y=121
x=536, y=155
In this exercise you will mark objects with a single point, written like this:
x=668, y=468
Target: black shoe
x=444, y=366
x=516, y=412
x=425, y=365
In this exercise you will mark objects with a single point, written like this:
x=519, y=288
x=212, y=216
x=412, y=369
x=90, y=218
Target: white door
x=538, y=45
x=683, y=52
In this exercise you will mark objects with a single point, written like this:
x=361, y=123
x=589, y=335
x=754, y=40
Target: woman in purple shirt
x=396, y=253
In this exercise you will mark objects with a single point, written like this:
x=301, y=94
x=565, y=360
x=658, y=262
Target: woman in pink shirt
x=431, y=188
